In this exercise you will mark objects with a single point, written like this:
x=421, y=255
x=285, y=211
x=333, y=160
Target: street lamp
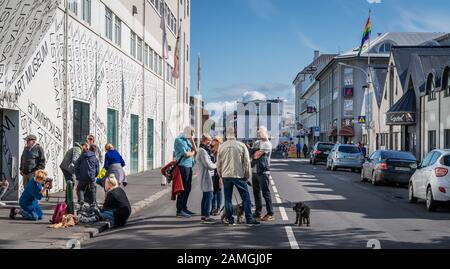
x=316, y=111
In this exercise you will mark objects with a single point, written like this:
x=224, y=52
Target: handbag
x=102, y=173
x=169, y=171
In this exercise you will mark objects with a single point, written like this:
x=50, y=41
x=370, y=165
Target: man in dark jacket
x=32, y=159
x=68, y=169
x=86, y=170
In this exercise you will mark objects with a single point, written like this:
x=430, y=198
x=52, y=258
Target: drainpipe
x=143, y=91
x=66, y=75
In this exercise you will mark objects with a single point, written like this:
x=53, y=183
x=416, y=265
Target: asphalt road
x=345, y=213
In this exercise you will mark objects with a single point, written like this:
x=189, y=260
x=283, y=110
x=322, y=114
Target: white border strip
x=291, y=237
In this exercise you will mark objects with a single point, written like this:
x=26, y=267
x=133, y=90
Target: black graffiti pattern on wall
x=7, y=158
x=58, y=64
x=39, y=116
x=22, y=26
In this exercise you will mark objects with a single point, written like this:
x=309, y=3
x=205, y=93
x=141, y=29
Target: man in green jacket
x=68, y=169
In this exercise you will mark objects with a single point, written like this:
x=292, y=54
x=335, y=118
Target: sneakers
x=2, y=204
x=230, y=224
x=183, y=214
x=189, y=212
x=253, y=223
x=12, y=213
x=257, y=217
x=268, y=218
x=209, y=221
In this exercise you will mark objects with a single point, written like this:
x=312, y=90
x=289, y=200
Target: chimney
x=379, y=34
x=316, y=54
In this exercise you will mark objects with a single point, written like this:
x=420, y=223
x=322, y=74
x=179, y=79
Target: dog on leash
x=238, y=211
x=302, y=214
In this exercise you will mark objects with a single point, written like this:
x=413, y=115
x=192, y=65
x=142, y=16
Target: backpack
x=59, y=212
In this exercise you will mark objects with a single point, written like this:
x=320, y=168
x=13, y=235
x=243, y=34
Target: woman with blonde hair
x=217, y=181
x=116, y=208
x=114, y=164
x=206, y=167
x=34, y=191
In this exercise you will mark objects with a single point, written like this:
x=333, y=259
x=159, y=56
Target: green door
x=149, y=144
x=112, y=127
x=134, y=146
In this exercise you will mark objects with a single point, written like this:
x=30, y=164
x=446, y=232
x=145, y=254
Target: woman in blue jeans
x=217, y=181
x=34, y=191
x=206, y=169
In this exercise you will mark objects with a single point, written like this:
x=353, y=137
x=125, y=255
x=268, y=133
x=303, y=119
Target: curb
x=75, y=240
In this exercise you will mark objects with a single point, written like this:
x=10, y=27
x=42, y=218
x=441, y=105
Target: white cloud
x=307, y=41
x=374, y=1
x=253, y=95
x=426, y=22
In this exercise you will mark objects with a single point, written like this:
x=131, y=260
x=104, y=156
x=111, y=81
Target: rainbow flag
x=366, y=35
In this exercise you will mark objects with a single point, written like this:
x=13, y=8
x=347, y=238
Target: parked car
x=320, y=152
x=389, y=166
x=345, y=156
x=431, y=180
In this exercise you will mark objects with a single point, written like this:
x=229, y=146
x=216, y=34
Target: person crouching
x=34, y=191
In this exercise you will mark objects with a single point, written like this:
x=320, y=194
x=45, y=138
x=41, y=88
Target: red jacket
x=177, y=182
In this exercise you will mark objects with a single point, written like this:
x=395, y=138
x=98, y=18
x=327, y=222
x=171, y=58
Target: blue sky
x=258, y=46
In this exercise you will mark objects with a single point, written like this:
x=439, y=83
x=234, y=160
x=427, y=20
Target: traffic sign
x=362, y=119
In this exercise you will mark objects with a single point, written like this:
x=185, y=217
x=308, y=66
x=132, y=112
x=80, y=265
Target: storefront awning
x=346, y=131
x=404, y=111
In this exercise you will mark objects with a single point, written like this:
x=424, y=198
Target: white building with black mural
x=69, y=68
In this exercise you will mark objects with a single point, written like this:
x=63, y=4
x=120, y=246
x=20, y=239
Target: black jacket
x=32, y=159
x=87, y=167
x=117, y=201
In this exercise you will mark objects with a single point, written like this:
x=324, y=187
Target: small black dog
x=303, y=212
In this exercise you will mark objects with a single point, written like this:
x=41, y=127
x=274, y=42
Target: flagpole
x=368, y=53
x=198, y=131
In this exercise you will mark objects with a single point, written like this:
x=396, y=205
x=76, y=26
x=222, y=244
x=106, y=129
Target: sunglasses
x=90, y=139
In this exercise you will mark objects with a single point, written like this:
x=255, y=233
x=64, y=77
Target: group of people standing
x=81, y=163
x=221, y=166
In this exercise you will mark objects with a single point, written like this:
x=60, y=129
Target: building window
x=86, y=10
x=396, y=147
x=146, y=55
x=155, y=61
x=139, y=49
x=431, y=140
x=446, y=81
x=187, y=53
x=383, y=138
x=188, y=1
x=385, y=48
x=150, y=56
x=133, y=44
x=112, y=127
x=108, y=23
x=160, y=67
x=118, y=31
x=72, y=6
x=447, y=138
x=80, y=121
x=348, y=76
x=430, y=88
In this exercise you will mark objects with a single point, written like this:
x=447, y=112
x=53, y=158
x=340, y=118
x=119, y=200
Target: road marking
x=272, y=182
x=291, y=237
x=277, y=197
x=283, y=213
x=274, y=189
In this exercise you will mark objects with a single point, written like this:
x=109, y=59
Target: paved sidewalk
x=142, y=189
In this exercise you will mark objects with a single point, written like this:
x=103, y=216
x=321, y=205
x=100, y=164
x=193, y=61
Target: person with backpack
x=67, y=167
x=34, y=191
x=261, y=175
x=205, y=173
x=185, y=151
x=86, y=171
x=114, y=164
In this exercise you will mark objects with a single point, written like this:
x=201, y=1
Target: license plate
x=326, y=152
x=402, y=168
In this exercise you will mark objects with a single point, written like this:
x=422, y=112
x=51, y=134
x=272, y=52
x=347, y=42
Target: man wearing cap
x=32, y=159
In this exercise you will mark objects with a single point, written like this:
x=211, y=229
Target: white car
x=431, y=181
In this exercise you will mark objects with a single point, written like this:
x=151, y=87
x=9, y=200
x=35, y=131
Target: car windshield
x=325, y=147
x=349, y=149
x=446, y=160
x=398, y=155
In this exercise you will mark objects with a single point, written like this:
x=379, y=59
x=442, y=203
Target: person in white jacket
x=205, y=170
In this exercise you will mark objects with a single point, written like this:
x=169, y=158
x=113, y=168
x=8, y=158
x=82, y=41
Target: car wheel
x=374, y=179
x=411, y=197
x=430, y=202
x=363, y=179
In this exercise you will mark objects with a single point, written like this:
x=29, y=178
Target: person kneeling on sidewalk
x=34, y=191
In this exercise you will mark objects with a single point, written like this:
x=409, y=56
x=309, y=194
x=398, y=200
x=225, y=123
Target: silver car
x=345, y=156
